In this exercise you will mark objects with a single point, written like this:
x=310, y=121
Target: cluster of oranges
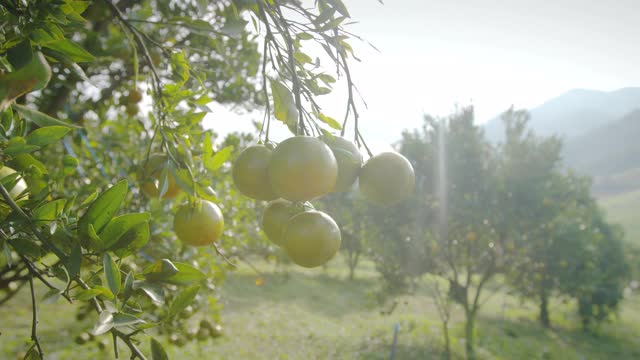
x=303, y=168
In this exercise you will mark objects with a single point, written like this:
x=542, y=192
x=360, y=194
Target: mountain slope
x=575, y=112
x=606, y=150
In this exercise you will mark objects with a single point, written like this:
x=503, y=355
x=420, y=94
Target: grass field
x=317, y=314
x=624, y=209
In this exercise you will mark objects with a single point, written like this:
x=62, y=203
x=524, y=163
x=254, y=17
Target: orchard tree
x=459, y=224
x=103, y=153
x=556, y=228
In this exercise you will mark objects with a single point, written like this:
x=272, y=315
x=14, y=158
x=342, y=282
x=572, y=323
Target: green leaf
x=112, y=274
x=332, y=24
x=51, y=296
x=88, y=294
x=26, y=161
x=160, y=270
x=70, y=49
x=325, y=15
x=284, y=108
x=302, y=58
x=102, y=210
x=40, y=119
x=154, y=291
x=121, y=319
x=75, y=261
x=93, y=241
x=340, y=7
x=72, y=66
x=119, y=226
x=183, y=179
x=132, y=240
x=18, y=145
x=329, y=121
x=49, y=211
x=70, y=165
x=219, y=158
x=104, y=323
x=157, y=351
x=186, y=275
x=304, y=36
x=180, y=67
x=182, y=300
x=27, y=247
x=128, y=284
x=327, y=79
x=234, y=27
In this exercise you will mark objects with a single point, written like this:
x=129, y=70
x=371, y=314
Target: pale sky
x=439, y=53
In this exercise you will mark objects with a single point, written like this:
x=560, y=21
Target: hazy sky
x=436, y=54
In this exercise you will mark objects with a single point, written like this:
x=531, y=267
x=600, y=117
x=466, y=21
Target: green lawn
x=624, y=209
x=317, y=314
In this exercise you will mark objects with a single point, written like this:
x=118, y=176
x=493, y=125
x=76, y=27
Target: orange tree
x=101, y=142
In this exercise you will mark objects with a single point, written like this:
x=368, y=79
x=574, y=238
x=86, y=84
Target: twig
x=221, y=253
x=34, y=271
x=34, y=321
x=135, y=352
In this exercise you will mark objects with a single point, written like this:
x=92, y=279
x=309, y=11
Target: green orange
x=275, y=218
x=198, y=224
x=250, y=173
x=311, y=238
x=349, y=161
x=387, y=179
x=302, y=168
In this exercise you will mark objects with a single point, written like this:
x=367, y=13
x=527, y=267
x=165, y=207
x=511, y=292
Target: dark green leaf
x=132, y=240
x=112, y=274
x=157, y=351
x=160, y=270
x=74, y=261
x=102, y=210
x=119, y=226
x=128, y=284
x=27, y=247
x=182, y=300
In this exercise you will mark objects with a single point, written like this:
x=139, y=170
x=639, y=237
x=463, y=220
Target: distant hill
x=609, y=150
x=575, y=113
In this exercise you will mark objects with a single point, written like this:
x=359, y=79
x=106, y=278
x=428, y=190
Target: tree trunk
x=352, y=270
x=469, y=335
x=447, y=342
x=544, y=309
